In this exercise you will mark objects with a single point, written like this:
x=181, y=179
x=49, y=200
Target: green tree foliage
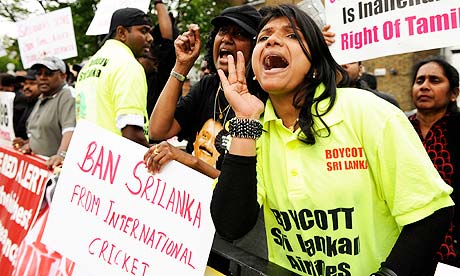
x=82, y=15
x=12, y=10
x=186, y=11
x=199, y=12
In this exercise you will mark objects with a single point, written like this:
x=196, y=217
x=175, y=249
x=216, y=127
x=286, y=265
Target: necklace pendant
x=221, y=116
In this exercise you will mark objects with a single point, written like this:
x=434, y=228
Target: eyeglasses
x=45, y=71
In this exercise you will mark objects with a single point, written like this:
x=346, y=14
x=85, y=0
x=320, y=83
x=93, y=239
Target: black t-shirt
x=166, y=57
x=199, y=105
x=386, y=96
x=20, y=120
x=20, y=106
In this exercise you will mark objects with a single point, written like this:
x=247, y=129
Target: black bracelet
x=245, y=128
x=384, y=271
x=157, y=2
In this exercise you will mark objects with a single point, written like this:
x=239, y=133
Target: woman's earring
x=314, y=74
x=254, y=78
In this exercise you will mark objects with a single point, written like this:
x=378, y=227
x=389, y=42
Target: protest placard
x=112, y=216
x=101, y=21
x=371, y=29
x=50, y=34
x=6, y=118
x=446, y=270
x=22, y=184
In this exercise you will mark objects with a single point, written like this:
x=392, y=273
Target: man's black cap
x=244, y=16
x=127, y=17
x=30, y=75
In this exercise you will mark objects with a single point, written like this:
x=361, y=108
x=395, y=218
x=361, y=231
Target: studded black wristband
x=245, y=128
x=384, y=271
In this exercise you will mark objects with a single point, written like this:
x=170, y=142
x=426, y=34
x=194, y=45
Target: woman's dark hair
x=449, y=71
x=209, y=50
x=209, y=46
x=323, y=65
x=253, y=85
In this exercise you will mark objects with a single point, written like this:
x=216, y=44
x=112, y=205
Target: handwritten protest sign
x=6, y=118
x=118, y=219
x=51, y=34
x=371, y=29
x=22, y=184
x=105, y=8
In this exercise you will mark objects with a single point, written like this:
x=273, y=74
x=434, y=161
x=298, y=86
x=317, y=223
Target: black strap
x=384, y=271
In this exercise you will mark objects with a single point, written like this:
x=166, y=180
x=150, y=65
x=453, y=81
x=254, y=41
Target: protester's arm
x=135, y=134
x=164, y=21
x=234, y=206
x=67, y=122
x=407, y=195
x=18, y=142
x=25, y=148
x=162, y=123
x=158, y=155
x=415, y=248
x=57, y=159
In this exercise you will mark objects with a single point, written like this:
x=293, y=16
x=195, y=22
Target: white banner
x=371, y=29
x=446, y=270
x=6, y=118
x=50, y=34
x=105, y=8
x=110, y=215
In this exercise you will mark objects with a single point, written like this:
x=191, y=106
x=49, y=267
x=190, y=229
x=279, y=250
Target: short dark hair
x=370, y=79
x=245, y=17
x=7, y=79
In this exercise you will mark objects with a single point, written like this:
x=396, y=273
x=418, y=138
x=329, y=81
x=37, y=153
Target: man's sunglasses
x=47, y=72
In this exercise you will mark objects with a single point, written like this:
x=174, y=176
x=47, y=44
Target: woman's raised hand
x=188, y=46
x=236, y=90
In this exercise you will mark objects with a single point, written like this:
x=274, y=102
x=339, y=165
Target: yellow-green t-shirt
x=339, y=205
x=112, y=89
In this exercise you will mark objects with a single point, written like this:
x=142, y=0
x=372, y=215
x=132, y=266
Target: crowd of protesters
x=270, y=104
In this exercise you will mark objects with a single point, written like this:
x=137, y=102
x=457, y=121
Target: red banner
x=22, y=185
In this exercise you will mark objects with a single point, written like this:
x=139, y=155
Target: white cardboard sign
x=50, y=34
x=112, y=217
x=446, y=270
x=101, y=21
x=371, y=29
x=6, y=117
